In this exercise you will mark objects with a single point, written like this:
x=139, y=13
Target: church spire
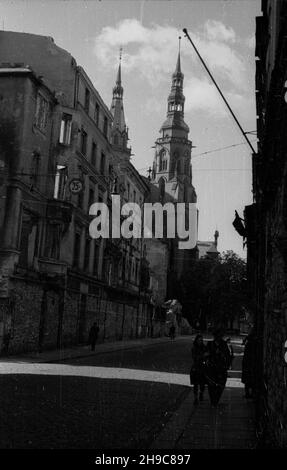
x=118, y=90
x=119, y=128
x=178, y=68
x=176, y=99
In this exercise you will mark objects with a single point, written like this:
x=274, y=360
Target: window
x=162, y=161
x=91, y=197
x=105, y=130
x=111, y=170
x=24, y=241
x=81, y=199
x=103, y=164
x=60, y=182
x=96, y=259
x=65, y=130
x=42, y=109
x=161, y=185
x=134, y=196
x=97, y=114
x=128, y=190
x=83, y=142
x=87, y=254
x=77, y=247
x=87, y=100
x=94, y=154
x=35, y=166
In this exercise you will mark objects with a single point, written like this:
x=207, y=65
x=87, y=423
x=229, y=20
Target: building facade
x=59, y=150
x=266, y=223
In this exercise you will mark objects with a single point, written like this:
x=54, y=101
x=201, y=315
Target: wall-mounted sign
x=285, y=351
x=76, y=186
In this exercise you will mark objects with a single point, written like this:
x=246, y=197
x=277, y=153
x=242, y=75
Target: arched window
x=161, y=186
x=163, y=160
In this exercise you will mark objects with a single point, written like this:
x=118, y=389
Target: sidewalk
x=229, y=426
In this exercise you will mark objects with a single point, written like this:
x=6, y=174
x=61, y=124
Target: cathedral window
x=161, y=185
x=162, y=161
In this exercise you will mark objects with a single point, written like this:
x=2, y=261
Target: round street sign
x=76, y=186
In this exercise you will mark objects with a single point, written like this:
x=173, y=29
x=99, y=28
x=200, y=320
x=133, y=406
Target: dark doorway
x=82, y=319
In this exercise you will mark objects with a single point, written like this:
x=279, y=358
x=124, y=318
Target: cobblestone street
x=123, y=396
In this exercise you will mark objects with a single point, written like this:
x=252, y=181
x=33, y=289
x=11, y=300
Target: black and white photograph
x=143, y=229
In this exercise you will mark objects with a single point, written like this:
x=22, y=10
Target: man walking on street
x=93, y=336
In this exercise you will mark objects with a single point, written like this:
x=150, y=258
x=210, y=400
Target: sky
x=148, y=30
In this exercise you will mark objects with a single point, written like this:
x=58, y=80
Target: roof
x=205, y=247
x=28, y=71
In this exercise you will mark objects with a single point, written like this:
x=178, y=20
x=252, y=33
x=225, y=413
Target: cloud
x=223, y=60
x=215, y=30
x=201, y=95
x=150, y=52
x=250, y=42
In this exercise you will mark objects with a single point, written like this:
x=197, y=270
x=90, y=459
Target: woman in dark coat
x=197, y=377
x=249, y=365
x=93, y=336
x=218, y=362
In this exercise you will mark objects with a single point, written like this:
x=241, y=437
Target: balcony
x=59, y=212
x=52, y=268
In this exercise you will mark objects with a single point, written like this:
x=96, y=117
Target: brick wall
x=39, y=317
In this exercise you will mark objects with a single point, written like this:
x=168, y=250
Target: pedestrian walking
x=197, y=377
x=230, y=347
x=93, y=335
x=172, y=332
x=249, y=365
x=217, y=364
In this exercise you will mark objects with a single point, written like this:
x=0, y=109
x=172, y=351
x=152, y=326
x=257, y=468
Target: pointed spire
x=175, y=106
x=118, y=89
x=119, y=75
x=178, y=68
x=119, y=129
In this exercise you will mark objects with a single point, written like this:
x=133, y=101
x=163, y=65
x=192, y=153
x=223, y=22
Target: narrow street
x=127, y=396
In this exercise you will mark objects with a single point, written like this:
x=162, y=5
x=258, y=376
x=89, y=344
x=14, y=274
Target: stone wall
x=39, y=316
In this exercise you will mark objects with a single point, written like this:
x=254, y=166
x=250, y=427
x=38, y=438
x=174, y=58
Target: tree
x=214, y=290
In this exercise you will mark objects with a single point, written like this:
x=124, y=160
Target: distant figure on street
x=230, y=347
x=249, y=365
x=93, y=335
x=217, y=364
x=172, y=332
x=197, y=377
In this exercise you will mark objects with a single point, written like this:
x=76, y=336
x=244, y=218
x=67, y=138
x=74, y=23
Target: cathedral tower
x=172, y=161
